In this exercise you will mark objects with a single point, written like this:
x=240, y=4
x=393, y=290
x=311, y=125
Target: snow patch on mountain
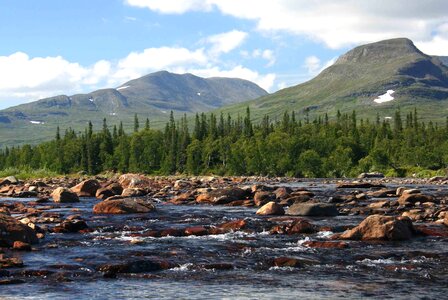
x=385, y=97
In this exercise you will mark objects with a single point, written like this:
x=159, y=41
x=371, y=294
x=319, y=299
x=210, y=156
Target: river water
x=235, y=265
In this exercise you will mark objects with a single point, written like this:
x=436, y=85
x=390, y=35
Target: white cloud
x=24, y=79
x=335, y=23
x=312, y=63
x=226, y=42
x=266, y=54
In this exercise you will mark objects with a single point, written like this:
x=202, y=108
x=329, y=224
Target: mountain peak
x=381, y=51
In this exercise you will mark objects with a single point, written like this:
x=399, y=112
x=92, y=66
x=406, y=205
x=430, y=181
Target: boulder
x=271, y=208
x=86, y=188
x=298, y=226
x=414, y=197
x=223, y=196
x=133, y=192
x=312, y=209
x=326, y=244
x=12, y=230
x=371, y=175
x=132, y=180
x=358, y=185
x=64, y=195
x=108, y=191
x=282, y=192
x=9, y=180
x=21, y=246
x=123, y=206
x=261, y=198
x=377, y=227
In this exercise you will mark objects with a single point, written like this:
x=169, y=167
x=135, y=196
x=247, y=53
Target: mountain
x=374, y=78
x=443, y=59
x=152, y=96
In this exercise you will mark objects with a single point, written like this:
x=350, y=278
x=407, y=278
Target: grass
x=27, y=173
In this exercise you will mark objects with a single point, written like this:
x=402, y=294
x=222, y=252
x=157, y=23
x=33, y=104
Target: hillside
x=393, y=72
x=152, y=96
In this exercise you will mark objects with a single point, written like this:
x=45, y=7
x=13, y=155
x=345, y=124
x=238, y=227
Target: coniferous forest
x=291, y=146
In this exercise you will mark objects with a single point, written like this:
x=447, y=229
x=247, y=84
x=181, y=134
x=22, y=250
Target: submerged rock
x=124, y=206
x=312, y=209
x=64, y=195
x=377, y=227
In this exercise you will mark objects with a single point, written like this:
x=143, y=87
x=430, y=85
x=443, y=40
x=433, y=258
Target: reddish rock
x=197, y=230
x=109, y=191
x=12, y=262
x=133, y=181
x=413, y=198
x=133, y=192
x=223, y=196
x=271, y=208
x=297, y=226
x=441, y=231
x=377, y=227
x=86, y=188
x=172, y=232
x=325, y=244
x=282, y=192
x=18, y=245
x=12, y=230
x=287, y=262
x=71, y=226
x=123, y=206
x=261, y=198
x=312, y=209
x=233, y=225
x=64, y=195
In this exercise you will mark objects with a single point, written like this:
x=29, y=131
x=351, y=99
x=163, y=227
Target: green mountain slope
x=152, y=96
x=359, y=77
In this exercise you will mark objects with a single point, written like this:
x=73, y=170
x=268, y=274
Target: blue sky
x=52, y=47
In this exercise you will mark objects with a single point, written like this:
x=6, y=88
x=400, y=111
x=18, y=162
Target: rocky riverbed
x=133, y=236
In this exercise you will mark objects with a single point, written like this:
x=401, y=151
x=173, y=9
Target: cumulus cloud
x=335, y=23
x=312, y=63
x=266, y=54
x=24, y=78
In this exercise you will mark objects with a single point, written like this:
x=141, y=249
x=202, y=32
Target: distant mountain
x=152, y=96
x=374, y=78
x=443, y=59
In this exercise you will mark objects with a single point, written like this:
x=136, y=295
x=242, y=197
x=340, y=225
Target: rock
x=445, y=220
x=181, y=184
x=377, y=227
x=438, y=178
x=86, y=188
x=132, y=180
x=358, y=185
x=109, y=191
x=371, y=175
x=21, y=246
x=287, y=262
x=12, y=262
x=298, y=226
x=312, y=209
x=197, y=231
x=132, y=192
x=9, y=180
x=379, y=204
x=261, y=198
x=123, y=206
x=223, y=196
x=71, y=226
x=12, y=230
x=411, y=191
x=64, y=195
x=271, y=208
x=414, y=214
x=233, y=225
x=413, y=198
x=325, y=244
x=137, y=266
x=282, y=192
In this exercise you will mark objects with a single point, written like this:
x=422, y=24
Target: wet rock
x=133, y=192
x=183, y=198
x=108, y=191
x=414, y=214
x=233, y=225
x=172, y=232
x=64, y=195
x=359, y=185
x=312, y=209
x=414, y=197
x=287, y=262
x=71, y=226
x=123, y=206
x=12, y=281
x=282, y=192
x=379, y=204
x=298, y=226
x=12, y=230
x=271, y=208
x=217, y=266
x=432, y=230
x=325, y=244
x=377, y=227
x=197, y=231
x=132, y=180
x=137, y=266
x=21, y=246
x=86, y=188
x=223, y=196
x=371, y=175
x=10, y=262
x=261, y=198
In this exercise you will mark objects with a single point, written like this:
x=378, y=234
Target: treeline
x=223, y=145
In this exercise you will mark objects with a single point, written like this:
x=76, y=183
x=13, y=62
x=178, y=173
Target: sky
x=54, y=47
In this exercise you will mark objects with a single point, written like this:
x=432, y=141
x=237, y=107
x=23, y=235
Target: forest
x=222, y=145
